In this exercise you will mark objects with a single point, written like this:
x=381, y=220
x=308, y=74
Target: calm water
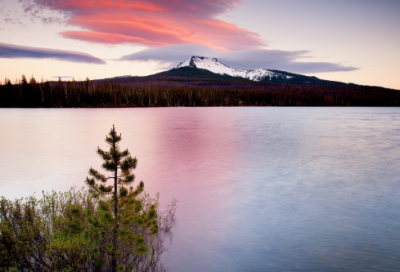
x=259, y=189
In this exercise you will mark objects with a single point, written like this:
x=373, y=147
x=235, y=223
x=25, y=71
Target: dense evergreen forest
x=188, y=90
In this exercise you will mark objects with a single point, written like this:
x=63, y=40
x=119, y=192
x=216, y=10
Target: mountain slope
x=194, y=73
x=215, y=66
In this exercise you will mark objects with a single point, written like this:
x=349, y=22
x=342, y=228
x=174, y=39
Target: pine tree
x=112, y=228
x=115, y=161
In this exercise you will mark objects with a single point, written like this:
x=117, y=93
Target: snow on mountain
x=215, y=66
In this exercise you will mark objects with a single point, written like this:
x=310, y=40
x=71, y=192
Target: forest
x=185, y=90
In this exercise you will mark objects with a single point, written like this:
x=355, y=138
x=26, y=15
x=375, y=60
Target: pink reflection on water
x=257, y=186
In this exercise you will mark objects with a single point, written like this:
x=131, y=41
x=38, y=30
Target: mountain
x=194, y=73
x=198, y=81
x=215, y=66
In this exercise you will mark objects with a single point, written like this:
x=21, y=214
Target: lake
x=259, y=188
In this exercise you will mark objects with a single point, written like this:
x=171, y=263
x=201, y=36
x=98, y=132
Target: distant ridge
x=215, y=66
x=190, y=86
x=197, y=74
x=266, y=75
x=211, y=72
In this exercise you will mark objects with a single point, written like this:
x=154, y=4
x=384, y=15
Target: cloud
x=17, y=51
x=246, y=59
x=154, y=23
x=13, y=21
x=36, y=12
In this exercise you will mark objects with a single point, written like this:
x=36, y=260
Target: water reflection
x=260, y=189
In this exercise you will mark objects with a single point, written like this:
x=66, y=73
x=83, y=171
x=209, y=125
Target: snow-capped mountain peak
x=203, y=63
x=215, y=66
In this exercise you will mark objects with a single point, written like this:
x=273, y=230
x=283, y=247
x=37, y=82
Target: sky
x=355, y=41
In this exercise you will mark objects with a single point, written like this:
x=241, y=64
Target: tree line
x=187, y=92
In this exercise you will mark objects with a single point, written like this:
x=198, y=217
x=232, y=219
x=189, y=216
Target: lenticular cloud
x=154, y=23
x=246, y=59
x=18, y=51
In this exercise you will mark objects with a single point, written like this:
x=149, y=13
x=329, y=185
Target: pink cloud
x=109, y=38
x=154, y=22
x=82, y=6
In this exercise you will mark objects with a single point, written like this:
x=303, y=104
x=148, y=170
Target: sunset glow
x=363, y=53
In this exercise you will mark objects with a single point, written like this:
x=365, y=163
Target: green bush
x=107, y=228
x=73, y=231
